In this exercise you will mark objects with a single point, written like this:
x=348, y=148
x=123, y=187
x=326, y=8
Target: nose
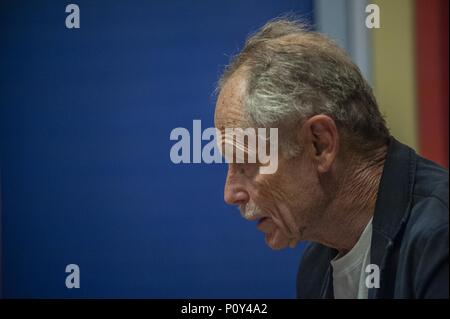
x=235, y=193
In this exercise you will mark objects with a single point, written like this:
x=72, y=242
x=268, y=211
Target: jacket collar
x=391, y=209
x=391, y=213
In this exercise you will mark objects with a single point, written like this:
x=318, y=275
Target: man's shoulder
x=431, y=182
x=426, y=229
x=424, y=244
x=429, y=209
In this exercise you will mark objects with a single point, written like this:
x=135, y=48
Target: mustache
x=249, y=210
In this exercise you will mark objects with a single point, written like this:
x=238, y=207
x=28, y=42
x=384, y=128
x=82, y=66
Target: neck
x=353, y=202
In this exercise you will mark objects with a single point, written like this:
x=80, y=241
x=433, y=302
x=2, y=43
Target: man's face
x=283, y=203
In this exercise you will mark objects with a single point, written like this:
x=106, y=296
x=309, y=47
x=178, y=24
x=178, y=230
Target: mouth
x=254, y=214
x=250, y=212
x=262, y=219
x=266, y=225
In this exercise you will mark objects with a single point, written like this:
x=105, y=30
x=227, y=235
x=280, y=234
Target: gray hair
x=293, y=74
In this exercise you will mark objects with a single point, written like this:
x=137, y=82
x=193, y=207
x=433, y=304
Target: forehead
x=230, y=102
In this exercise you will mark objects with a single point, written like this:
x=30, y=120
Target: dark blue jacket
x=410, y=234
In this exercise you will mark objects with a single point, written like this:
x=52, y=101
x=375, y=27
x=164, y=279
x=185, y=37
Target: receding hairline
x=302, y=36
x=280, y=40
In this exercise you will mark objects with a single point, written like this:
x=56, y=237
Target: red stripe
x=432, y=78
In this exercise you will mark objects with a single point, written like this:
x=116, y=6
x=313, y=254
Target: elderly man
x=375, y=212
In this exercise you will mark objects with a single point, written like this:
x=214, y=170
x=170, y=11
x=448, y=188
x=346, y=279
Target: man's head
x=301, y=83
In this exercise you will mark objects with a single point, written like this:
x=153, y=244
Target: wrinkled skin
x=311, y=196
x=283, y=202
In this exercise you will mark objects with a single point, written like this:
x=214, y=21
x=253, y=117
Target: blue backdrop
x=86, y=177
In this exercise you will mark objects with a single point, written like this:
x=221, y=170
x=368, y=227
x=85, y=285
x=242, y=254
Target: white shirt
x=349, y=276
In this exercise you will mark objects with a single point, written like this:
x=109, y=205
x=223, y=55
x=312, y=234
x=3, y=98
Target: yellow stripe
x=394, y=68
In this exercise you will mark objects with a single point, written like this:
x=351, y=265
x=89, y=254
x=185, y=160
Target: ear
x=321, y=138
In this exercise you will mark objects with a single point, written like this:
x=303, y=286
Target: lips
x=266, y=225
x=262, y=219
x=251, y=216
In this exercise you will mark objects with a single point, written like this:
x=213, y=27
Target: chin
x=275, y=246
x=276, y=241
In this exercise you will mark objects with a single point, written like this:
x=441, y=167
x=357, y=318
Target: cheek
x=261, y=195
x=295, y=196
x=263, y=198
x=270, y=197
x=286, y=220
